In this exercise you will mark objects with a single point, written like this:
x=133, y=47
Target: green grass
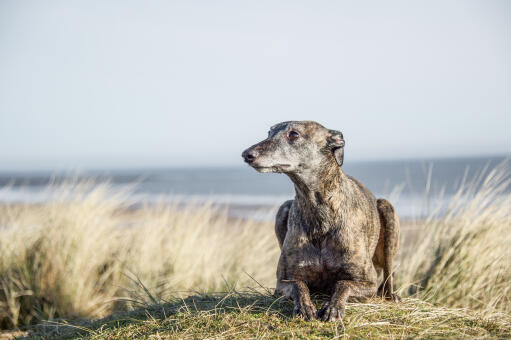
x=251, y=315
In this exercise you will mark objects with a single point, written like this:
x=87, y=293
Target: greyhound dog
x=335, y=237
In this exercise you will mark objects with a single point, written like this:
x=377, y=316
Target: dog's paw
x=306, y=311
x=331, y=313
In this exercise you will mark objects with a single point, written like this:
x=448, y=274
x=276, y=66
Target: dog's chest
x=328, y=260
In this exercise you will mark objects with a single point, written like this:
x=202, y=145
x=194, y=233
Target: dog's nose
x=248, y=156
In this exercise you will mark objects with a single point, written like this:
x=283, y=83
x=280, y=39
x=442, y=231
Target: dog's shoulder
x=361, y=188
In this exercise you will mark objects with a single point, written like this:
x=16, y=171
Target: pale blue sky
x=91, y=84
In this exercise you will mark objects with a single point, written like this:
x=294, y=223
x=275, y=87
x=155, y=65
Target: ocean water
x=413, y=186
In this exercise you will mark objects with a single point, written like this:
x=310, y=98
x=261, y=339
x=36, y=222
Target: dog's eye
x=293, y=135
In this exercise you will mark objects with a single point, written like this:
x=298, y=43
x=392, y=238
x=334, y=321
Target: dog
x=335, y=237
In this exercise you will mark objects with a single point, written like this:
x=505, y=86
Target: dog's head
x=294, y=146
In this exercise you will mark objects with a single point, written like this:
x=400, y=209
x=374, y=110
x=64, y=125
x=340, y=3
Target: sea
x=415, y=187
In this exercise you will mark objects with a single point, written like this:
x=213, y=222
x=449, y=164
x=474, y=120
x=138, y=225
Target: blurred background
x=167, y=94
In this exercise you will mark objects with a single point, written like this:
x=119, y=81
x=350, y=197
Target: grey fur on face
x=335, y=237
x=295, y=147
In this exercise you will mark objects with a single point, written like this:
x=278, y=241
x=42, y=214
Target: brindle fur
x=335, y=237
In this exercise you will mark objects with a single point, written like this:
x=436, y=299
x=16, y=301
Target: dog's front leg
x=302, y=300
x=299, y=292
x=333, y=310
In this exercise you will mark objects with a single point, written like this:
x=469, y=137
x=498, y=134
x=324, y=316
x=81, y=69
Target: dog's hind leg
x=390, y=233
x=281, y=222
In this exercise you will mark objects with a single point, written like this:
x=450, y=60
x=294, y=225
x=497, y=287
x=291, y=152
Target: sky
x=101, y=84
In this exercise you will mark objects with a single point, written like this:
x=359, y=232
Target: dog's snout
x=249, y=155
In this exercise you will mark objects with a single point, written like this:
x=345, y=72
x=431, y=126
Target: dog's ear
x=336, y=145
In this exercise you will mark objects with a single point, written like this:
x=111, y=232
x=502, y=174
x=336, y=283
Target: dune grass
x=89, y=253
x=253, y=315
x=462, y=258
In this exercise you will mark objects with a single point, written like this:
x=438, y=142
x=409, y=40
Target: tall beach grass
x=88, y=252
x=462, y=257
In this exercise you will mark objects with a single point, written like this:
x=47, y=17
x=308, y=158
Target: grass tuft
x=87, y=254
x=461, y=257
x=252, y=315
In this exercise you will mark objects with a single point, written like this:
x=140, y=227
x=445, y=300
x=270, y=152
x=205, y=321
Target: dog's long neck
x=323, y=196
